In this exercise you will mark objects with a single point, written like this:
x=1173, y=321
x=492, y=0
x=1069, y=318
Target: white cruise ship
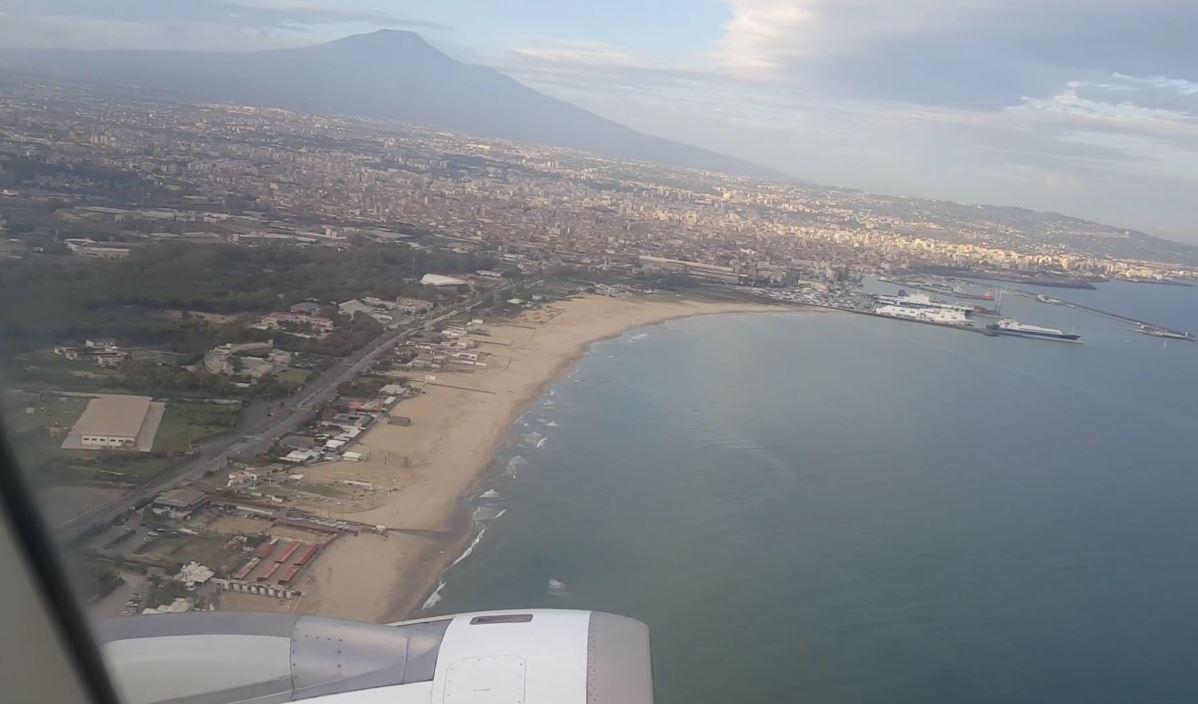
x=1009, y=326
x=928, y=315
x=922, y=301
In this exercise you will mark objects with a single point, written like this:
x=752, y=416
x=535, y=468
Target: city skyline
x=560, y=206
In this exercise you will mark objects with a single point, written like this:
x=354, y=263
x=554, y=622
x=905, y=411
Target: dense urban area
x=205, y=303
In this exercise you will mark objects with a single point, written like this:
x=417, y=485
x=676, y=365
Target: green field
x=292, y=377
x=329, y=490
x=47, y=411
x=187, y=422
x=38, y=450
x=118, y=467
x=45, y=370
x=114, y=298
x=46, y=462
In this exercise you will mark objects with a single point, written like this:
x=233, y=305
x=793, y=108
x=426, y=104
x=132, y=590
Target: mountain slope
x=390, y=74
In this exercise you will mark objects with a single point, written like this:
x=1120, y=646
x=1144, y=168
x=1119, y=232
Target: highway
x=257, y=437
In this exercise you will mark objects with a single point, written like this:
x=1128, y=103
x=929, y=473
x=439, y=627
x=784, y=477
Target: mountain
x=388, y=74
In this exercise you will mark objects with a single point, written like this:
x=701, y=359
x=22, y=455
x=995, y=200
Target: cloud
x=1081, y=106
x=954, y=52
x=1068, y=101
x=1011, y=101
x=760, y=36
x=1142, y=114
x=577, y=52
x=1178, y=85
x=186, y=24
x=328, y=11
x=72, y=32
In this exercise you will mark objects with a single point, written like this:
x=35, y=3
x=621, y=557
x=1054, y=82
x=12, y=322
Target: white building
x=240, y=477
x=83, y=247
x=412, y=306
x=116, y=422
x=379, y=303
x=439, y=281
x=353, y=306
x=180, y=605
x=179, y=504
x=219, y=360
x=194, y=574
x=273, y=320
x=301, y=456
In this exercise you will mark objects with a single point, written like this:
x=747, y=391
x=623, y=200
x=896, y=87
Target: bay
x=836, y=508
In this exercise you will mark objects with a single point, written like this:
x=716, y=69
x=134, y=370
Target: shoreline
x=471, y=533
x=459, y=424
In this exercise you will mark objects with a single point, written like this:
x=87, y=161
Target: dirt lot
x=210, y=551
x=234, y=601
x=238, y=525
x=304, y=536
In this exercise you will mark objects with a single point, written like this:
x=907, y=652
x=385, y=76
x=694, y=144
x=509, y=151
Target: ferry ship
x=1009, y=326
x=947, y=290
x=927, y=315
x=922, y=301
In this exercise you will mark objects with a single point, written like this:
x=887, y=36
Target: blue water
x=1161, y=304
x=834, y=508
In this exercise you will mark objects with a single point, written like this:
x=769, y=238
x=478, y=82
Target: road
x=258, y=435
x=115, y=603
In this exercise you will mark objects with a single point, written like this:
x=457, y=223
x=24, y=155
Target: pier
x=963, y=328
x=1106, y=314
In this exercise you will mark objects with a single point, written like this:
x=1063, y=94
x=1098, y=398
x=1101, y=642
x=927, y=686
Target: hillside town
x=100, y=176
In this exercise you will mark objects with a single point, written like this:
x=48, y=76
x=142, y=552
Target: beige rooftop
x=114, y=416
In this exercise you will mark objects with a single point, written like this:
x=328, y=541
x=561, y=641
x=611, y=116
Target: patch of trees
x=54, y=299
x=345, y=338
x=363, y=386
x=165, y=379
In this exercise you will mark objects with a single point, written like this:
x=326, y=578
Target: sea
x=828, y=508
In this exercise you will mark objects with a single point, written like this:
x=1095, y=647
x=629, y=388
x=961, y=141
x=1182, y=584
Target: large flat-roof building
x=412, y=305
x=353, y=306
x=179, y=503
x=698, y=270
x=440, y=281
x=116, y=422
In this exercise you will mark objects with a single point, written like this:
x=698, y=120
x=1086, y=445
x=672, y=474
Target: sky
x=1085, y=107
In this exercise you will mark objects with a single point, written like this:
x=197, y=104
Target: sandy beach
x=419, y=473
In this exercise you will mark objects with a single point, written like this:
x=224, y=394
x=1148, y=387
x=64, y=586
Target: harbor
x=827, y=459
x=1143, y=327
x=954, y=288
x=948, y=303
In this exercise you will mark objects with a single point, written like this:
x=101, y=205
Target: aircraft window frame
x=40, y=564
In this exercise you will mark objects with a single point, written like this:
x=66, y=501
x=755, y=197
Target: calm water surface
x=833, y=508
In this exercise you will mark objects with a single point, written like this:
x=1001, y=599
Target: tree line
x=56, y=299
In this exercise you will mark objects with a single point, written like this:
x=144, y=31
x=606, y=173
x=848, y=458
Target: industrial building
x=440, y=281
x=219, y=359
x=116, y=422
x=697, y=270
x=412, y=306
x=179, y=503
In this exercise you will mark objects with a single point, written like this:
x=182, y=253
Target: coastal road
x=259, y=435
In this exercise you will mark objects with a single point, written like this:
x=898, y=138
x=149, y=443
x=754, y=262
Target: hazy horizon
x=1086, y=109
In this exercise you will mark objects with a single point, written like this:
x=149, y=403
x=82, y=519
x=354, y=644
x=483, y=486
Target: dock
x=1108, y=314
x=963, y=328
x=858, y=311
